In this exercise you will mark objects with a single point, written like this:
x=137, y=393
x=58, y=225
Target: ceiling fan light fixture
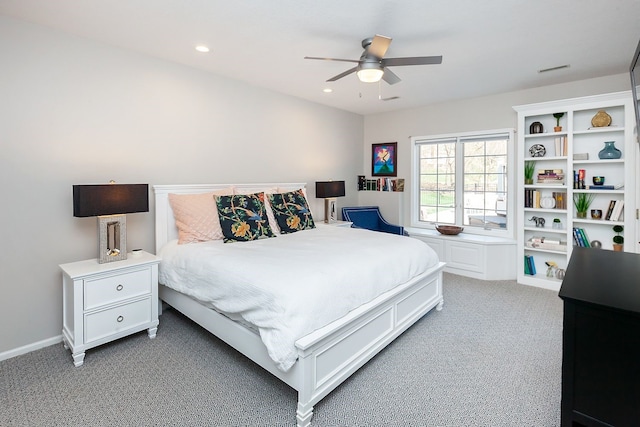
x=370, y=75
x=370, y=72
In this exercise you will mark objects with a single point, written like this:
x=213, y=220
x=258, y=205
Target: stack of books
x=529, y=265
x=580, y=237
x=560, y=145
x=561, y=199
x=615, y=210
x=551, y=176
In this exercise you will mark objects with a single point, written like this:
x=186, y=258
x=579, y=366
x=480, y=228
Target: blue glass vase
x=609, y=151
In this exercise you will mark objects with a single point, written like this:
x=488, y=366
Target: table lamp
x=329, y=190
x=110, y=203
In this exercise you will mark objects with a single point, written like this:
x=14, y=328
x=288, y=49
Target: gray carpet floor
x=491, y=357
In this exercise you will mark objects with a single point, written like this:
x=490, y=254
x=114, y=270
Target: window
x=462, y=179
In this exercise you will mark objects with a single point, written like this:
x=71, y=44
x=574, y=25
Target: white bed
x=329, y=354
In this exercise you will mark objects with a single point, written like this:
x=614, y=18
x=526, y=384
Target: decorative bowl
x=449, y=230
x=598, y=180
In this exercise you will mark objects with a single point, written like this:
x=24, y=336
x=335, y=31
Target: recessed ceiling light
x=202, y=48
x=327, y=90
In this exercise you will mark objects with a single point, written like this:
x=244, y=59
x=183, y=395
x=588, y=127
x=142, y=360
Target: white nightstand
x=346, y=224
x=104, y=302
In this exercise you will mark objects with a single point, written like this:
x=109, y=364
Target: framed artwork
x=384, y=159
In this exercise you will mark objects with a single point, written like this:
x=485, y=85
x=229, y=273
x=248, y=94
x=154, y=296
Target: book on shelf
x=606, y=187
x=618, y=210
x=529, y=265
x=551, y=176
x=612, y=204
x=579, y=179
x=580, y=237
x=560, y=145
x=561, y=199
x=380, y=184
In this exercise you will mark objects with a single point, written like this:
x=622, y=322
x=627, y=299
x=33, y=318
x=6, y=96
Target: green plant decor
x=558, y=116
x=582, y=201
x=529, y=169
x=618, y=239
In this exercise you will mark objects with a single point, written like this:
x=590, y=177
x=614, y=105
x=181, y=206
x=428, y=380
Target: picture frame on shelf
x=384, y=159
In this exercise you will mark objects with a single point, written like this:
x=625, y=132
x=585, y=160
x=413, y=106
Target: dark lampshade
x=329, y=189
x=110, y=199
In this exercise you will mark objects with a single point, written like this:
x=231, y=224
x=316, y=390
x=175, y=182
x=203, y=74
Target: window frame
x=459, y=138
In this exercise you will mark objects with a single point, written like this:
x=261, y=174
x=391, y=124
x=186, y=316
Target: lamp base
x=112, y=238
x=330, y=214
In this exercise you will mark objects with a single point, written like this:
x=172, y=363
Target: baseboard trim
x=30, y=347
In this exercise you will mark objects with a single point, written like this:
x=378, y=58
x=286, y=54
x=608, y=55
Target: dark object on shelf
x=537, y=150
x=449, y=230
x=598, y=180
x=609, y=151
x=536, y=127
x=600, y=343
x=369, y=217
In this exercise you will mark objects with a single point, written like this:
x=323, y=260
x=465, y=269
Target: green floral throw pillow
x=243, y=217
x=291, y=211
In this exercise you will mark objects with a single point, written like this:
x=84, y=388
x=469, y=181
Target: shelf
x=593, y=131
x=547, y=230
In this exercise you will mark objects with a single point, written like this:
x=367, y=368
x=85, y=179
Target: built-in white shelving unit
x=582, y=140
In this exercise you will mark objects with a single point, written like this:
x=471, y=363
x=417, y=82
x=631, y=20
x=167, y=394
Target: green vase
x=581, y=214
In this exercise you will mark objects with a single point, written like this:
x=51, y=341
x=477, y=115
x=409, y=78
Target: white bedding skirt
x=293, y=284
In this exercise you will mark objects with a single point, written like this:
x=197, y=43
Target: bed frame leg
x=440, y=305
x=304, y=414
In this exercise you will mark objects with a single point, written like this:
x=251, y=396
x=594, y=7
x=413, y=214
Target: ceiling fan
x=372, y=65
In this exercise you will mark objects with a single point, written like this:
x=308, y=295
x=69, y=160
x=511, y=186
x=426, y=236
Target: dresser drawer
x=107, y=290
x=104, y=323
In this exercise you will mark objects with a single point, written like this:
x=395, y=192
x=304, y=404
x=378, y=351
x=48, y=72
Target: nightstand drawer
x=116, y=288
x=108, y=322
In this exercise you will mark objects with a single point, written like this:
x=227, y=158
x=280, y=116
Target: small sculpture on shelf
x=539, y=221
x=536, y=127
x=551, y=268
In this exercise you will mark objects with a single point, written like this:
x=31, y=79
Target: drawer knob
x=119, y=287
x=120, y=319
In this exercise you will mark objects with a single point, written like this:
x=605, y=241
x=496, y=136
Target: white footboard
x=330, y=355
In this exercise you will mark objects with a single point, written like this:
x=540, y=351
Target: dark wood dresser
x=601, y=339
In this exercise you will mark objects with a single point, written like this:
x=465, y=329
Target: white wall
x=490, y=112
x=75, y=112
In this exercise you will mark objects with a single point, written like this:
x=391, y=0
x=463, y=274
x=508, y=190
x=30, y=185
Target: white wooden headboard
x=166, y=229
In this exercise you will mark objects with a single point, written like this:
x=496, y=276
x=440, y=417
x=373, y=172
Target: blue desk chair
x=369, y=217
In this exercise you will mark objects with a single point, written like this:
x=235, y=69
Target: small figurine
x=538, y=220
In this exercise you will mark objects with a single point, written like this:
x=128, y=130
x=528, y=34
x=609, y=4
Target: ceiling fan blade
x=390, y=77
x=332, y=59
x=341, y=75
x=412, y=60
x=379, y=46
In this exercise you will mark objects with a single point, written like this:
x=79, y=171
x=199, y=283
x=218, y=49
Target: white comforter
x=293, y=284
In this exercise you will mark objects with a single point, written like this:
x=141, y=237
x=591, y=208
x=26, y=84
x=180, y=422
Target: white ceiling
x=489, y=46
